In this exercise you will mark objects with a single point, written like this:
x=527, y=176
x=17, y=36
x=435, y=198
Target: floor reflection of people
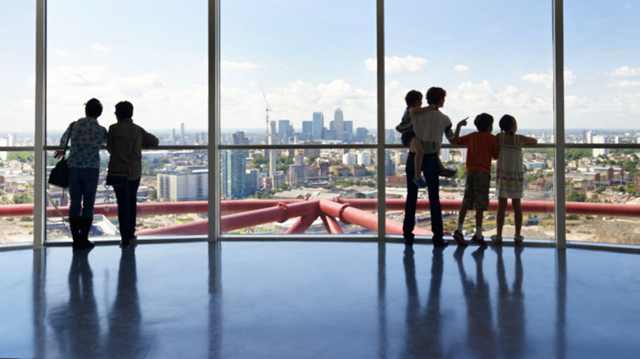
x=480, y=333
x=124, y=339
x=511, y=308
x=423, y=338
x=75, y=324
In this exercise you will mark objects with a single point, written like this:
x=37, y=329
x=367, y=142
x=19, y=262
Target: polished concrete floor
x=318, y=300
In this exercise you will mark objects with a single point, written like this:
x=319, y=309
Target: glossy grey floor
x=318, y=300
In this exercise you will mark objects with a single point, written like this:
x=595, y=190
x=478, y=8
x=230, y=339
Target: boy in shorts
x=482, y=148
x=409, y=139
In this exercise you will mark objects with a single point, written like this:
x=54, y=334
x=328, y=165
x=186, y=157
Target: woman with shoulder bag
x=86, y=137
x=125, y=143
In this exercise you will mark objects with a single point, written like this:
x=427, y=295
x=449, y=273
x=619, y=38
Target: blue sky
x=490, y=56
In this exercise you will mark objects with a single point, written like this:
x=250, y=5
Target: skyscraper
x=338, y=119
x=233, y=168
x=348, y=126
x=318, y=126
x=272, y=153
x=284, y=128
x=600, y=151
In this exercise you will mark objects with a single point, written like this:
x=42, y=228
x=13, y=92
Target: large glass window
x=298, y=71
x=602, y=50
x=17, y=114
x=602, y=54
x=127, y=51
x=492, y=57
x=313, y=191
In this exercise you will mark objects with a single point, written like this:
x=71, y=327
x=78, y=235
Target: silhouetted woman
x=86, y=137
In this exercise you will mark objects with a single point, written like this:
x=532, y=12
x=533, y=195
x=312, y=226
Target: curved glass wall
x=303, y=80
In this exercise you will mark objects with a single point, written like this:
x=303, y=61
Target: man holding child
x=429, y=127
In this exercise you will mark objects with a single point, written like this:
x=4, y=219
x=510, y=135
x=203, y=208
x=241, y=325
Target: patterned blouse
x=87, y=138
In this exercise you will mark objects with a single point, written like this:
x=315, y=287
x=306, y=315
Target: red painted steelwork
x=245, y=205
x=279, y=213
x=191, y=228
x=302, y=224
x=331, y=224
x=365, y=219
x=249, y=213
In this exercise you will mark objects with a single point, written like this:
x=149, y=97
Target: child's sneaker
x=459, y=238
x=420, y=182
x=447, y=172
x=479, y=240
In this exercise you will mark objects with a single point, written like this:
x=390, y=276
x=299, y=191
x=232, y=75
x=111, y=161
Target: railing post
x=558, y=100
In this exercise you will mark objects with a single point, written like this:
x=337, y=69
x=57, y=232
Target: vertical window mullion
x=559, y=135
x=380, y=154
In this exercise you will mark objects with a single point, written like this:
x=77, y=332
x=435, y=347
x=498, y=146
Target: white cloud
x=547, y=79
x=624, y=84
x=99, y=48
x=626, y=71
x=544, y=79
x=228, y=65
x=157, y=105
x=396, y=65
x=64, y=54
x=462, y=69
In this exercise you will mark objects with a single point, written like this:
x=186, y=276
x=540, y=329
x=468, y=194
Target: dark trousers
x=431, y=171
x=127, y=205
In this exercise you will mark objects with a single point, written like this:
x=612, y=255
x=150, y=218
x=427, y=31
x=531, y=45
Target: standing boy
x=482, y=148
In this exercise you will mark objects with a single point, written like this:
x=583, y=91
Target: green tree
x=600, y=189
x=284, y=186
x=22, y=198
x=575, y=196
x=593, y=199
x=153, y=194
x=25, y=157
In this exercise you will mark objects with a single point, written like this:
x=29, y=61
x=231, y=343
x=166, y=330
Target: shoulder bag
x=59, y=174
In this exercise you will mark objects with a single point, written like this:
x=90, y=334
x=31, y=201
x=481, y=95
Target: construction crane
x=267, y=110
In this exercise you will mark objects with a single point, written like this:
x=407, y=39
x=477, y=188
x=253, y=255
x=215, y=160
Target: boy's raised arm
x=459, y=126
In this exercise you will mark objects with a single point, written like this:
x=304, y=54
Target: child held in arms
x=409, y=138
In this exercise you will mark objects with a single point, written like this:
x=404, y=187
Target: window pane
x=16, y=197
x=602, y=201
x=602, y=76
x=537, y=203
x=126, y=51
x=17, y=74
x=172, y=198
x=298, y=71
x=300, y=196
x=490, y=56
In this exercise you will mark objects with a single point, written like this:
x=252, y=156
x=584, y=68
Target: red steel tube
x=197, y=227
x=236, y=221
x=365, y=219
x=331, y=224
x=244, y=205
x=302, y=224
